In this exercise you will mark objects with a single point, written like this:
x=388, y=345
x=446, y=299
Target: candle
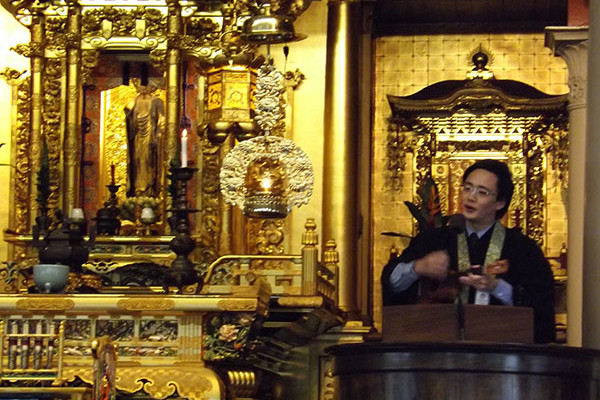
x=147, y=214
x=77, y=215
x=112, y=174
x=184, y=140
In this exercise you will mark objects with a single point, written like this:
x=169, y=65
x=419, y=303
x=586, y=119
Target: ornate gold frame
x=69, y=45
x=442, y=131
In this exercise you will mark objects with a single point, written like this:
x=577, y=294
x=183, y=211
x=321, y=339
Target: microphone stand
x=460, y=314
x=457, y=224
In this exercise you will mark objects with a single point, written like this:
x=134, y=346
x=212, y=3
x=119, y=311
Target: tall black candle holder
x=112, y=199
x=181, y=273
x=107, y=218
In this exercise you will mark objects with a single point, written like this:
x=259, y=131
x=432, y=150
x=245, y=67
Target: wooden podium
x=440, y=323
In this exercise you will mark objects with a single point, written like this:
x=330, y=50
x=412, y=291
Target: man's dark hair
x=505, y=183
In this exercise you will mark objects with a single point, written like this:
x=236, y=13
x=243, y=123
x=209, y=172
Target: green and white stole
x=493, y=254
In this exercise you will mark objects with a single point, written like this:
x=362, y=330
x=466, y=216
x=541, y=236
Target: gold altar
x=122, y=90
x=108, y=79
x=163, y=341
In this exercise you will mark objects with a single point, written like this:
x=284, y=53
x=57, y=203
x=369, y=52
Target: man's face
x=480, y=198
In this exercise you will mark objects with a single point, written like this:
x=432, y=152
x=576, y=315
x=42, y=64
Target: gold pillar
x=73, y=139
x=590, y=321
x=173, y=76
x=37, y=99
x=310, y=241
x=342, y=132
x=225, y=244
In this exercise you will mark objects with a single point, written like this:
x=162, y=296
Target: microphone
x=457, y=223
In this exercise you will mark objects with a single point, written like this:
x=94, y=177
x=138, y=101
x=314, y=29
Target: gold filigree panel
x=45, y=304
x=52, y=124
x=22, y=173
x=192, y=382
x=237, y=305
x=443, y=146
x=209, y=218
x=265, y=236
x=146, y=304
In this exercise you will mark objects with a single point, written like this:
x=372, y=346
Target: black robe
x=529, y=273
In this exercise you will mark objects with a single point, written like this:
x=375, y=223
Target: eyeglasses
x=469, y=189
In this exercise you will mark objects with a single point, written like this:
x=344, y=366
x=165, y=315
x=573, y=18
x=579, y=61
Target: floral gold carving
x=51, y=126
x=300, y=301
x=45, y=304
x=56, y=36
x=210, y=219
x=123, y=22
x=33, y=49
x=158, y=59
x=192, y=382
x=146, y=304
x=237, y=305
x=265, y=236
x=12, y=76
x=22, y=172
x=89, y=60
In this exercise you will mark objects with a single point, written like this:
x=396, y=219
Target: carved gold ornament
x=237, y=305
x=192, y=382
x=146, y=304
x=45, y=304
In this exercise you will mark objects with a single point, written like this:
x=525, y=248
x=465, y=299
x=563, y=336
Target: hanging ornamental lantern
x=267, y=175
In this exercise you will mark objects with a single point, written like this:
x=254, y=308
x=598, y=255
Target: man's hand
x=497, y=267
x=486, y=283
x=434, y=265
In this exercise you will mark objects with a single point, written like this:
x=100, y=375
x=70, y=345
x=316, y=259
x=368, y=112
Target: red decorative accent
x=579, y=13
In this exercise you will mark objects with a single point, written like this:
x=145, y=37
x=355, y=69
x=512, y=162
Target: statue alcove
x=75, y=105
x=443, y=128
x=110, y=150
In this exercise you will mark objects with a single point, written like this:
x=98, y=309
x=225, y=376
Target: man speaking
x=484, y=263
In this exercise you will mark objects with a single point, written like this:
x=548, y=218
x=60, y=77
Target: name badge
x=482, y=298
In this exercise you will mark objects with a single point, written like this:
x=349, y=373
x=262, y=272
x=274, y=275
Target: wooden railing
x=32, y=354
x=287, y=274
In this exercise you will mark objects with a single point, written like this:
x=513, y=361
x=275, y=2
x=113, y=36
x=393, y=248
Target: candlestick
x=112, y=174
x=184, y=140
x=181, y=273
